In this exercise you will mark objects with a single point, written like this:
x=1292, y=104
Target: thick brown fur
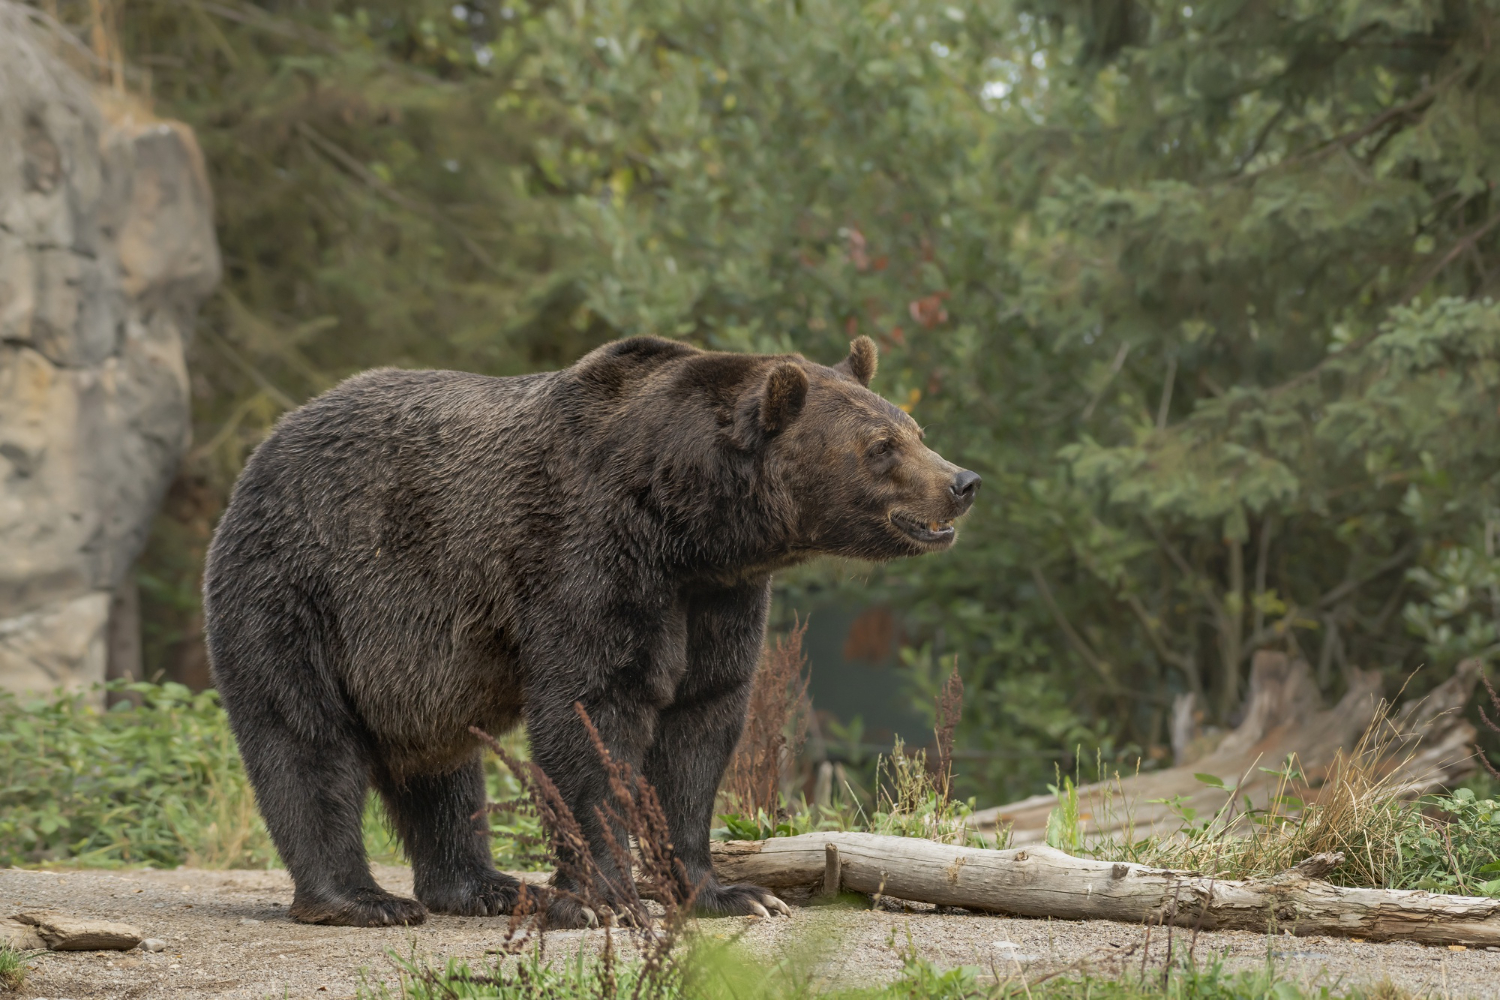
x=417, y=552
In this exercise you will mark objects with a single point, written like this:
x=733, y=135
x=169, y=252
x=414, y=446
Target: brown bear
x=417, y=552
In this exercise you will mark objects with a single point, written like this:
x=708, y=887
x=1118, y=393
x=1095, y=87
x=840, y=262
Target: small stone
x=248, y=920
x=1457, y=947
x=153, y=944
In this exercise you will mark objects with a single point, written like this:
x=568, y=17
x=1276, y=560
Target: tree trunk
x=1041, y=882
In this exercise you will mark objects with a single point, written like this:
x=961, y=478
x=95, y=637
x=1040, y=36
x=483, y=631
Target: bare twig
x=1082, y=648
x=1460, y=246
x=432, y=213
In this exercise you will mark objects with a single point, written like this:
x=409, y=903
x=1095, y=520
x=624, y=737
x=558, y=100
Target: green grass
x=12, y=967
x=157, y=781
x=1446, y=843
x=160, y=783
x=725, y=972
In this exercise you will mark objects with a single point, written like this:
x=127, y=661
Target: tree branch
x=1081, y=647
x=430, y=212
x=1456, y=251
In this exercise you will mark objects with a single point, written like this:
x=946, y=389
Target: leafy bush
x=1455, y=846
x=159, y=782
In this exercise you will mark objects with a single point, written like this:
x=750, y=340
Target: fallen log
x=1038, y=881
x=1283, y=717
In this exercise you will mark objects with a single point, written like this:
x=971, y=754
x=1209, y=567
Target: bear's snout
x=965, y=486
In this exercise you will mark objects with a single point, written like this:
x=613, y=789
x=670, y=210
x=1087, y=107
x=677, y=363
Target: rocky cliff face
x=106, y=251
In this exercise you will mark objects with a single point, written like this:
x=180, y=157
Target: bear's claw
x=361, y=908
x=739, y=901
x=486, y=895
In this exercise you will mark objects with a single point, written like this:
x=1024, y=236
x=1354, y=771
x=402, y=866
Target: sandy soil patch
x=229, y=936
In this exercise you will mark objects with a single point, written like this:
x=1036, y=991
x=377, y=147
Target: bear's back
x=384, y=451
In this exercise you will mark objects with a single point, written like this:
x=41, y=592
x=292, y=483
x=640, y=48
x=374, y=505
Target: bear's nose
x=965, y=485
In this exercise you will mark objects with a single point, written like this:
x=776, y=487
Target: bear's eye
x=880, y=448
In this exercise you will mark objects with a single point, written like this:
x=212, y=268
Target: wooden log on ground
x=1283, y=717
x=1041, y=882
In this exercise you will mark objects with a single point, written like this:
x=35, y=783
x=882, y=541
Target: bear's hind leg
x=312, y=794
x=440, y=820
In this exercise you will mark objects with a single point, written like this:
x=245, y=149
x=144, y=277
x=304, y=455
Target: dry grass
x=913, y=800
x=638, y=842
x=1358, y=808
x=235, y=835
x=950, y=707
x=775, y=727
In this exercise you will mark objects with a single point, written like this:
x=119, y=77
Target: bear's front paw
x=738, y=901
x=484, y=894
x=565, y=913
x=356, y=908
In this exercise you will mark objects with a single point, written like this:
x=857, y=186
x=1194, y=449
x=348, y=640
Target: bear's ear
x=782, y=399
x=860, y=364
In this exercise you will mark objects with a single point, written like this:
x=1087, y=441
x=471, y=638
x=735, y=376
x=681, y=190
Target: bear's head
x=862, y=482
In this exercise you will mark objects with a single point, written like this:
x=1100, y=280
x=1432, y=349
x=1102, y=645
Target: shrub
x=159, y=782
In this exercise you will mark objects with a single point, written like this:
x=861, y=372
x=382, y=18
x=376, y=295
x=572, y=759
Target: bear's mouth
x=927, y=532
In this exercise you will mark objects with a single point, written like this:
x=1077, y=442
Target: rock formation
x=106, y=251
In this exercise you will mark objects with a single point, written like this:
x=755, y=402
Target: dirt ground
x=228, y=936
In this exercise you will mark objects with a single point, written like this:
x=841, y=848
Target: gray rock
x=106, y=251
x=62, y=932
x=153, y=944
x=20, y=937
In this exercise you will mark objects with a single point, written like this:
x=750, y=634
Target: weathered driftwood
x=1041, y=882
x=20, y=937
x=64, y=933
x=1282, y=717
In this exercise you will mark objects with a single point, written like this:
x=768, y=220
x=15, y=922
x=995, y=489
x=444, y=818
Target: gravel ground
x=229, y=936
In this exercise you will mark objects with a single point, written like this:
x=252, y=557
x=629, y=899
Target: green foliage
x=1447, y=842
x=1202, y=291
x=158, y=784
x=157, y=781
x=1064, y=823
x=12, y=967
x=1460, y=852
x=719, y=972
x=1182, y=981
x=531, y=977
x=907, y=802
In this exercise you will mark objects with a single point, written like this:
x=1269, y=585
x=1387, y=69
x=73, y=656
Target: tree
x=1200, y=290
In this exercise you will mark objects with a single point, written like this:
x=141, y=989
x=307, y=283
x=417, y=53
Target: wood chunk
x=832, y=877
x=61, y=932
